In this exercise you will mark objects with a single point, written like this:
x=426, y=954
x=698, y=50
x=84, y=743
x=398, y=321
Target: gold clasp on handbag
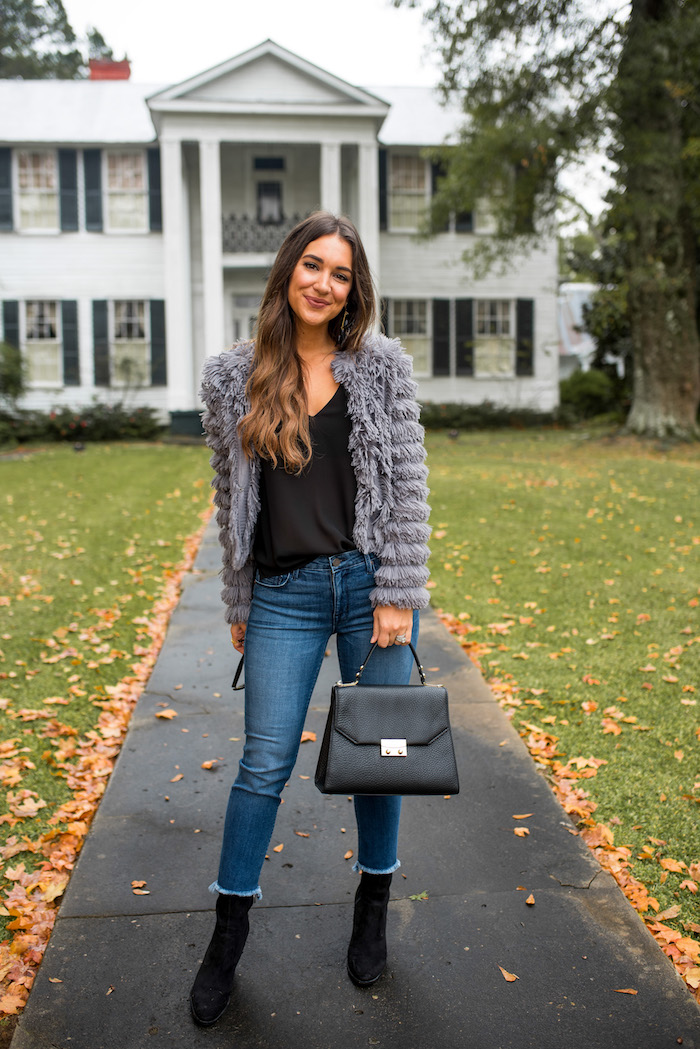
x=394, y=748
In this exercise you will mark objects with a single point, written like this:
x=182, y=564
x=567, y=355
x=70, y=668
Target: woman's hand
x=238, y=636
x=391, y=622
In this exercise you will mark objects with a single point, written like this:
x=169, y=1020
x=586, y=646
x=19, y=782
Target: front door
x=244, y=314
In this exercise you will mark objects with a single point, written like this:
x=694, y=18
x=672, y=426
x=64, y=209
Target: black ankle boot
x=367, y=950
x=211, y=990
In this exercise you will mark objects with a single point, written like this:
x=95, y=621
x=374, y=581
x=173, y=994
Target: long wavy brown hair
x=277, y=425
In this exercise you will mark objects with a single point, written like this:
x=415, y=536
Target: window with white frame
x=37, y=184
x=43, y=349
x=410, y=324
x=494, y=345
x=131, y=347
x=127, y=190
x=408, y=189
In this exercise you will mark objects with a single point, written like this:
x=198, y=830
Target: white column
x=212, y=252
x=330, y=177
x=177, y=290
x=368, y=204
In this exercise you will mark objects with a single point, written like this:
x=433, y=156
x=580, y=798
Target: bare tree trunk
x=661, y=235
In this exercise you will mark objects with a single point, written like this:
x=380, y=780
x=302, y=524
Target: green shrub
x=590, y=393
x=12, y=374
x=484, y=416
x=97, y=422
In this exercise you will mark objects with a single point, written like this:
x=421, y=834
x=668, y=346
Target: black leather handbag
x=387, y=739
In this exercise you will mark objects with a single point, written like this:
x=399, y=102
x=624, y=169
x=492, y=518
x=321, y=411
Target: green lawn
x=92, y=545
x=577, y=561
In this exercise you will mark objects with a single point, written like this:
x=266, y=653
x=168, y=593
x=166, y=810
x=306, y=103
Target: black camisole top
x=307, y=515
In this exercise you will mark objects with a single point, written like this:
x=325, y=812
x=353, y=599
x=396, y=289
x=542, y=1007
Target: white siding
x=78, y=265
x=419, y=269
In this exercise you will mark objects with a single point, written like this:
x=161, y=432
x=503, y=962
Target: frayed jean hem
x=358, y=868
x=215, y=887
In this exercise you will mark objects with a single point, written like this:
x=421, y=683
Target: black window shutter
x=92, y=164
x=384, y=315
x=71, y=353
x=10, y=322
x=383, y=211
x=441, y=337
x=68, y=183
x=438, y=171
x=464, y=336
x=159, y=375
x=5, y=188
x=525, y=337
x=100, y=334
x=155, y=210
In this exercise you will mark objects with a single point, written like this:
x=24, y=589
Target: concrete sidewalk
x=125, y=963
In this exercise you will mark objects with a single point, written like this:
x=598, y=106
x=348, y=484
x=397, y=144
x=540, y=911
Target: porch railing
x=244, y=234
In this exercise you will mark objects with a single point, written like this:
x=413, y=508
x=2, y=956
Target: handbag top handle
x=237, y=688
x=415, y=656
x=239, y=669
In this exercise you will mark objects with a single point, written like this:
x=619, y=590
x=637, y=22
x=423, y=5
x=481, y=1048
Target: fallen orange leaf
x=11, y=1003
x=509, y=977
x=522, y=832
x=176, y=779
x=348, y=854
x=278, y=848
x=209, y=764
x=167, y=714
x=302, y=833
x=530, y=900
x=672, y=865
x=524, y=816
x=625, y=990
x=670, y=912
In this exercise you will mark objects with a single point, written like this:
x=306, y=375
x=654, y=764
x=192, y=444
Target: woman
x=320, y=485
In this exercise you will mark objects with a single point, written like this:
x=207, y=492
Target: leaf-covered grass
x=575, y=565
x=90, y=542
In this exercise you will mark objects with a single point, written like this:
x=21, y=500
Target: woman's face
x=321, y=280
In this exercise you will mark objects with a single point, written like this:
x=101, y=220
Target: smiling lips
x=316, y=304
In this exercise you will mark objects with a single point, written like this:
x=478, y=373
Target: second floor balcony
x=243, y=234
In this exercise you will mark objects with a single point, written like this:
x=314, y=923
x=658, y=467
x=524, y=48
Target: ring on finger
x=401, y=639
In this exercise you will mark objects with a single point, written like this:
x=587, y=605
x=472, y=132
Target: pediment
x=268, y=76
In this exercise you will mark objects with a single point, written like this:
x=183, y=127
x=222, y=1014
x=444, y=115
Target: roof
x=417, y=117
x=80, y=112
x=75, y=112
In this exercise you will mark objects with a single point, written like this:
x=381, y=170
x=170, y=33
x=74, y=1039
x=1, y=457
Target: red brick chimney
x=108, y=69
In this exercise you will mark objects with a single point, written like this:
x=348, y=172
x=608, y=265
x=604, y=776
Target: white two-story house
x=138, y=224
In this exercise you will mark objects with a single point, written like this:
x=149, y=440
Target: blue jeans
x=292, y=617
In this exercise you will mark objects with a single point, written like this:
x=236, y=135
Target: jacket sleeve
x=400, y=580
x=238, y=583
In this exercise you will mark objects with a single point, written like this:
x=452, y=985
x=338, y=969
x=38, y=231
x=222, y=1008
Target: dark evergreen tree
x=37, y=42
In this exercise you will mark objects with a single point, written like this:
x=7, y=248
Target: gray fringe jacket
x=386, y=447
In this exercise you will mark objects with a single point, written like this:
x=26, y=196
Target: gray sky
x=366, y=42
